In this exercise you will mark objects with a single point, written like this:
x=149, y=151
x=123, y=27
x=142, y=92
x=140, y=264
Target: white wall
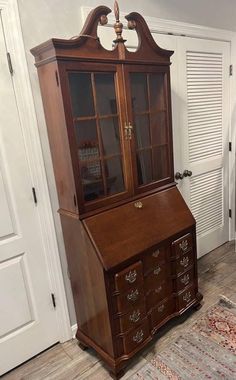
x=44, y=19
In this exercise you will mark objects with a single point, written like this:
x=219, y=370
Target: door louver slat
x=204, y=73
x=207, y=200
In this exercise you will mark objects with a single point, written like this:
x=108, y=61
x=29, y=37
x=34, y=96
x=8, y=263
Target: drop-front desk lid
x=125, y=231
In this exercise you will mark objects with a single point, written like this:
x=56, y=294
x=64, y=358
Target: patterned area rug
x=206, y=351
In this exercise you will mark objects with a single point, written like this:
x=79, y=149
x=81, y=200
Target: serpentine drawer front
x=129, y=277
x=135, y=337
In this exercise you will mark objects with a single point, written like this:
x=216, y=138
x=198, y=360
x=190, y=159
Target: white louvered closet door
x=204, y=117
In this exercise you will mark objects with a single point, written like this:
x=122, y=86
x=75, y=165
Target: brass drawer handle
x=185, y=279
x=157, y=271
x=160, y=308
x=184, y=262
x=158, y=290
x=156, y=253
x=131, y=276
x=138, y=204
x=138, y=337
x=135, y=316
x=133, y=296
x=183, y=245
x=187, y=297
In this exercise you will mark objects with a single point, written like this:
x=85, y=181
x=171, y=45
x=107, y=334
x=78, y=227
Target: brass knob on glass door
x=128, y=131
x=187, y=173
x=178, y=175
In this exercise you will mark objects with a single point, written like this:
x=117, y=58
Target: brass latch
x=128, y=131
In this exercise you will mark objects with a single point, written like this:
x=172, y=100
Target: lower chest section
x=143, y=296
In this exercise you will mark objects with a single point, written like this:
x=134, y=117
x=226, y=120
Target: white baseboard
x=74, y=329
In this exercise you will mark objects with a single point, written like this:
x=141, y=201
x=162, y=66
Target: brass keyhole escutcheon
x=138, y=204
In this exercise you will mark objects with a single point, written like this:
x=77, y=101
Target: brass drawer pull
x=187, y=297
x=184, y=262
x=183, y=245
x=160, y=308
x=158, y=290
x=157, y=271
x=156, y=253
x=133, y=296
x=131, y=276
x=135, y=316
x=185, y=279
x=138, y=337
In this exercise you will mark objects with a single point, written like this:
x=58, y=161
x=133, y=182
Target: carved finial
x=117, y=11
x=118, y=26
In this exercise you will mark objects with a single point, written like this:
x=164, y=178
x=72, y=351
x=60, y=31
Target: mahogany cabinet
x=129, y=236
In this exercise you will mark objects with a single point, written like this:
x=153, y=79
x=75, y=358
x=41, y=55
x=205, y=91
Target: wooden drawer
x=134, y=297
x=186, y=297
x=182, y=263
x=184, y=280
x=129, y=277
x=153, y=259
x=156, y=277
x=136, y=337
x=160, y=312
x=132, y=319
x=153, y=297
x=182, y=245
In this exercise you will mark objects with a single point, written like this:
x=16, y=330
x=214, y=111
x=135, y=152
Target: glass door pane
x=96, y=123
x=149, y=114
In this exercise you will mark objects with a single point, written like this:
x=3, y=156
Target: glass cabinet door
x=96, y=123
x=150, y=119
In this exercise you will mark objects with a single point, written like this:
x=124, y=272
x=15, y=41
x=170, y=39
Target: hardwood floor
x=68, y=362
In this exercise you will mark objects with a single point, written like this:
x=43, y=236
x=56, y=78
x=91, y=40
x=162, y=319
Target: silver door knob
x=187, y=173
x=178, y=175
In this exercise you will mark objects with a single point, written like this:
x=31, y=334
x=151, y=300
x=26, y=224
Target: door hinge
x=53, y=300
x=230, y=213
x=230, y=146
x=34, y=195
x=57, y=78
x=230, y=70
x=10, y=63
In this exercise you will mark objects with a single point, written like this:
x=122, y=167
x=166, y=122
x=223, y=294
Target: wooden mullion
x=167, y=121
x=84, y=118
x=112, y=156
x=110, y=116
x=144, y=148
x=149, y=112
x=99, y=158
x=142, y=113
x=99, y=137
x=158, y=111
x=150, y=129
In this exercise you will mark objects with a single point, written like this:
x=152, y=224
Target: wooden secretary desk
x=130, y=238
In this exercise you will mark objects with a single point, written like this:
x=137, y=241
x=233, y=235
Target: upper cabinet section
x=114, y=109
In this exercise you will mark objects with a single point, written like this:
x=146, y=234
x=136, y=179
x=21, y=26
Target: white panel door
x=27, y=318
x=204, y=118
